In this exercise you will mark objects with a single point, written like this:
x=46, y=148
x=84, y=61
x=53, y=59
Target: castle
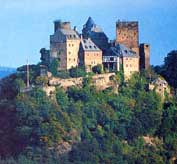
x=92, y=47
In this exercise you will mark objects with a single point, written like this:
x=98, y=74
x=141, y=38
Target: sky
x=27, y=24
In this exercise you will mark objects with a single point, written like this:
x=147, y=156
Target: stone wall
x=100, y=81
x=144, y=56
x=127, y=33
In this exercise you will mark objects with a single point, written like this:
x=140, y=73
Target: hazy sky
x=27, y=24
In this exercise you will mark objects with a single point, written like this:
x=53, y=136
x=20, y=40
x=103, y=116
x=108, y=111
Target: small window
x=126, y=65
x=90, y=46
x=86, y=47
x=111, y=59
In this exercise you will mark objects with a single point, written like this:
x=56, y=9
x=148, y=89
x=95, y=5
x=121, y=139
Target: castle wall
x=130, y=66
x=72, y=53
x=58, y=51
x=92, y=58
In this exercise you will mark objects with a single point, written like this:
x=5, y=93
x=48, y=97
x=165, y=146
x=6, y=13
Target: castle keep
x=127, y=33
x=92, y=47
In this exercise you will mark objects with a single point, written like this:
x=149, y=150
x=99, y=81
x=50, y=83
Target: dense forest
x=94, y=127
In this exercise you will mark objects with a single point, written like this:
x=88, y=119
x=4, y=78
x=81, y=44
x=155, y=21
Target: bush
x=97, y=69
x=54, y=67
x=63, y=74
x=77, y=72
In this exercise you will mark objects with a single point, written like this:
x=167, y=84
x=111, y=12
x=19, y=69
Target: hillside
x=85, y=125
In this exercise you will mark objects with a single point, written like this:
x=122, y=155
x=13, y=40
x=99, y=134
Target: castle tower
x=64, y=45
x=127, y=33
x=96, y=34
x=144, y=56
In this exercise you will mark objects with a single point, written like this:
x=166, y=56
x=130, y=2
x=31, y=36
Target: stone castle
x=92, y=47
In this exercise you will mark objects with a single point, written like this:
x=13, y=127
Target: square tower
x=144, y=56
x=127, y=33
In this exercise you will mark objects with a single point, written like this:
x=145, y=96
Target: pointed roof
x=90, y=22
x=91, y=26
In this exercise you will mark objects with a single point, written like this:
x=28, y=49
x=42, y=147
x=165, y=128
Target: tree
x=98, y=69
x=42, y=80
x=77, y=72
x=19, y=84
x=170, y=65
x=53, y=67
x=169, y=68
x=62, y=98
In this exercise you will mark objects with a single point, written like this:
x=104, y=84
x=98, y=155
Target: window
x=72, y=45
x=111, y=59
x=86, y=47
x=69, y=52
x=126, y=65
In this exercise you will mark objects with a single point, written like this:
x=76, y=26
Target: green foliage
x=169, y=68
x=77, y=72
x=63, y=74
x=120, y=77
x=19, y=84
x=98, y=69
x=41, y=80
x=62, y=98
x=53, y=67
x=103, y=127
x=168, y=130
x=34, y=71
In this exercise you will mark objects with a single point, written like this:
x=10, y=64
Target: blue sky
x=27, y=24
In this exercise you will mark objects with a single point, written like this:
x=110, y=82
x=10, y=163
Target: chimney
x=58, y=24
x=75, y=28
